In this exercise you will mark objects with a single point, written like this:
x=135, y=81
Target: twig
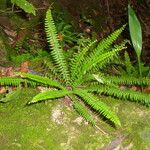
x=101, y=130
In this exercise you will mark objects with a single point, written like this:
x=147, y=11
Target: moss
x=33, y=126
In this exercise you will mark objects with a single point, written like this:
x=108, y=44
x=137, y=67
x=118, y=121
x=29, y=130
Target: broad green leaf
x=25, y=5
x=135, y=31
x=49, y=95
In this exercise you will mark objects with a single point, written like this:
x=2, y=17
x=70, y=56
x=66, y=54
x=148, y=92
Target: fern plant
x=77, y=78
x=127, y=73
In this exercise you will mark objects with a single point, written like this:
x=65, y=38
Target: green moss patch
x=55, y=126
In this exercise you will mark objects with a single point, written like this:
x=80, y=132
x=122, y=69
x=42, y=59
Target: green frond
x=103, y=58
x=49, y=95
x=105, y=44
x=57, y=52
x=84, y=112
x=10, y=81
x=77, y=61
x=16, y=81
x=51, y=69
x=121, y=94
x=97, y=105
x=98, y=61
x=128, y=80
x=128, y=64
x=42, y=80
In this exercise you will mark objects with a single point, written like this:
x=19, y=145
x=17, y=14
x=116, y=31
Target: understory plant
x=128, y=69
x=25, y=5
x=79, y=77
x=136, y=35
x=128, y=72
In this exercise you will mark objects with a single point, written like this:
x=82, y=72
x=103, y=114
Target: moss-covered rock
x=52, y=125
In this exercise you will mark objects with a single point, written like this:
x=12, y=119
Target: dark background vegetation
x=100, y=16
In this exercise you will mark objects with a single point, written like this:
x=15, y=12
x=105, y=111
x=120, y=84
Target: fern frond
x=128, y=80
x=78, y=59
x=121, y=94
x=43, y=80
x=97, y=105
x=51, y=69
x=98, y=61
x=128, y=64
x=82, y=110
x=103, y=58
x=14, y=81
x=49, y=95
x=10, y=81
x=57, y=52
x=105, y=44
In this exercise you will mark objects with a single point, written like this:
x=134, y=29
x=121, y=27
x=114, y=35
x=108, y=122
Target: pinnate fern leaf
x=121, y=94
x=42, y=80
x=78, y=59
x=97, y=105
x=128, y=80
x=57, y=51
x=16, y=81
x=82, y=110
x=106, y=43
x=128, y=64
x=93, y=61
x=49, y=95
x=11, y=81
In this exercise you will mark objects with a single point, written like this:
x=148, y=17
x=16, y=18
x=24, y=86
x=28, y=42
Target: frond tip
x=57, y=52
x=49, y=95
x=42, y=80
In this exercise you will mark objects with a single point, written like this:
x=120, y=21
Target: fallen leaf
x=3, y=90
x=9, y=71
x=24, y=67
x=147, y=89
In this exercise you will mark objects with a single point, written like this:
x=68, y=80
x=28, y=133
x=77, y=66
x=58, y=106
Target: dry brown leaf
x=3, y=90
x=147, y=89
x=9, y=71
x=24, y=67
